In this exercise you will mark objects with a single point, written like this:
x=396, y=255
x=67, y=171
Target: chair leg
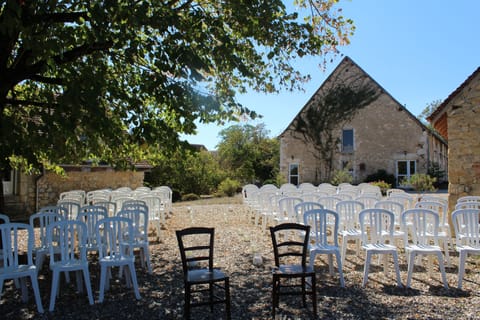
x=274, y=295
x=411, y=262
x=54, y=289
x=397, y=269
x=344, y=249
x=461, y=268
x=314, y=295
x=133, y=275
x=86, y=278
x=442, y=270
x=103, y=279
x=366, y=268
x=227, y=299
x=340, y=269
x=187, y=302
x=36, y=292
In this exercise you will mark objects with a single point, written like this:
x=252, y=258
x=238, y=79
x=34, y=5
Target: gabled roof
x=348, y=60
x=441, y=108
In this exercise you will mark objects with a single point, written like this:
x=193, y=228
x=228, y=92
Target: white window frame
x=348, y=149
x=409, y=172
x=290, y=175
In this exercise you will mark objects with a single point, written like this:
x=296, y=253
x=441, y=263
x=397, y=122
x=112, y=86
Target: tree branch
x=48, y=80
x=58, y=17
x=17, y=102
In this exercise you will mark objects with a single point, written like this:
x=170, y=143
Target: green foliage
x=229, y=187
x=381, y=175
x=187, y=171
x=431, y=106
x=118, y=81
x=421, y=182
x=339, y=104
x=384, y=186
x=341, y=176
x=248, y=154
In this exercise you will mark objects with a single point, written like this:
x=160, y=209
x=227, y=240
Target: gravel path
x=236, y=239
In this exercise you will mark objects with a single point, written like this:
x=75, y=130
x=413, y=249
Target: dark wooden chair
x=196, y=250
x=291, y=263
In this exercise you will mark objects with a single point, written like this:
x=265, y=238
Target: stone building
x=24, y=194
x=382, y=135
x=457, y=120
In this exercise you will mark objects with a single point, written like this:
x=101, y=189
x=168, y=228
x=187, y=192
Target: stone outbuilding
x=24, y=193
x=457, y=120
x=379, y=135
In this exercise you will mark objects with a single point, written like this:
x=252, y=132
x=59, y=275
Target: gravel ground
x=236, y=239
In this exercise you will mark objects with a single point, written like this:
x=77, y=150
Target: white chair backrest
x=466, y=223
x=437, y=206
x=41, y=220
x=422, y=226
x=348, y=210
x=12, y=235
x=72, y=208
x=286, y=207
x=302, y=207
x=329, y=202
x=468, y=199
x=111, y=237
x=70, y=237
x=90, y=215
x=4, y=218
x=392, y=206
x=376, y=225
x=368, y=201
x=405, y=199
x=323, y=226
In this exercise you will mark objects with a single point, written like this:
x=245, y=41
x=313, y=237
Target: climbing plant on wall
x=328, y=112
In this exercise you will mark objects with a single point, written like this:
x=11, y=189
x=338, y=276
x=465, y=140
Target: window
x=405, y=168
x=347, y=140
x=293, y=177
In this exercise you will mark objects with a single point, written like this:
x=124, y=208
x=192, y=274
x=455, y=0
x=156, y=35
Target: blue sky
x=417, y=50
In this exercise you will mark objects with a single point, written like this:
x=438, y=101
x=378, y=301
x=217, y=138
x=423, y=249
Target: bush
x=229, y=187
x=382, y=185
x=421, y=182
x=341, y=176
x=190, y=197
x=381, y=175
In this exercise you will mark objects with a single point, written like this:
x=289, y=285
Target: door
x=405, y=169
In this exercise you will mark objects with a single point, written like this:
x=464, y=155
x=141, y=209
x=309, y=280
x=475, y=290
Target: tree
x=338, y=105
x=248, y=154
x=117, y=81
x=430, y=107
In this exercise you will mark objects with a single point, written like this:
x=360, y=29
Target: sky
x=417, y=50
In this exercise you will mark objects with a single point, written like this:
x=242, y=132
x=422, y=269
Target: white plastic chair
x=90, y=215
x=349, y=229
x=404, y=198
x=377, y=227
x=109, y=205
x=302, y=207
x=466, y=223
x=156, y=212
x=368, y=200
x=329, y=202
x=11, y=235
x=113, y=253
x=139, y=216
x=72, y=208
x=286, y=210
x=397, y=209
x=324, y=222
x=423, y=225
x=70, y=237
x=40, y=222
x=444, y=233
x=3, y=219
x=468, y=199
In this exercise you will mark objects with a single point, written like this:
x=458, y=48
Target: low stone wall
x=51, y=185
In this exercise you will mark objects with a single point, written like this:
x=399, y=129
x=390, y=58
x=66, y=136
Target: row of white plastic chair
x=67, y=243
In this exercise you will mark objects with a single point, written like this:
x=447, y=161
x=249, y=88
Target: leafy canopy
x=118, y=80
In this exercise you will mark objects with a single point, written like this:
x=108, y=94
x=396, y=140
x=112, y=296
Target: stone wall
x=51, y=185
x=463, y=114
